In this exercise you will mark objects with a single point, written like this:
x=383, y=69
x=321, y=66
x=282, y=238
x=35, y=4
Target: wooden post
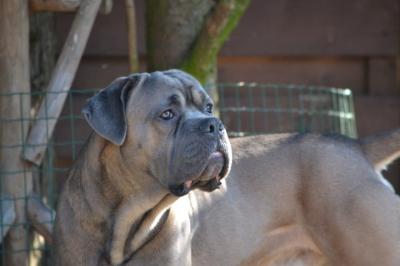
x=54, y=5
x=60, y=82
x=7, y=217
x=132, y=36
x=65, y=5
x=15, y=174
x=398, y=59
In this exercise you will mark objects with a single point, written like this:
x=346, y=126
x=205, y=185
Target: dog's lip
x=196, y=182
x=215, y=156
x=225, y=168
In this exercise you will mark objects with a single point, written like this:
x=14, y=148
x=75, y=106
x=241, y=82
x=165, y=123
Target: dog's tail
x=382, y=149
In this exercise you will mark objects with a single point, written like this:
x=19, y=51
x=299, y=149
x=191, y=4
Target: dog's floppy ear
x=105, y=112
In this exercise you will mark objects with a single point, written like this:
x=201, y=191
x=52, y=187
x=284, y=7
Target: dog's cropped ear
x=105, y=112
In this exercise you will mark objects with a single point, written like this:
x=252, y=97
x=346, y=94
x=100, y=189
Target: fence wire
x=245, y=108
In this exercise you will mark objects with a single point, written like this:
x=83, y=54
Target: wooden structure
x=331, y=43
x=339, y=43
x=16, y=178
x=61, y=80
x=19, y=206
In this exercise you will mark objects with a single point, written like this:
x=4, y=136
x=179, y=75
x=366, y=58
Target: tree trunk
x=171, y=30
x=189, y=34
x=15, y=174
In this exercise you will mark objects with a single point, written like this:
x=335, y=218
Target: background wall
x=353, y=44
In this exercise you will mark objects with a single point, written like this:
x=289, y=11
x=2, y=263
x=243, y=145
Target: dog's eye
x=167, y=115
x=209, y=108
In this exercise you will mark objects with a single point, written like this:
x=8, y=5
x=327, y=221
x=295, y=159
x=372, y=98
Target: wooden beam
x=7, y=215
x=54, y=5
x=41, y=217
x=15, y=174
x=397, y=70
x=106, y=7
x=60, y=82
x=132, y=36
x=397, y=73
x=65, y=5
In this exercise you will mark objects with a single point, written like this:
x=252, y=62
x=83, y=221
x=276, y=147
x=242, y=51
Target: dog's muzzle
x=217, y=166
x=208, y=180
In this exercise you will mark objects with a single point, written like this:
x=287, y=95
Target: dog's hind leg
x=363, y=230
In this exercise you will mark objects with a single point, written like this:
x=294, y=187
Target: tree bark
x=15, y=174
x=189, y=34
x=216, y=30
x=171, y=29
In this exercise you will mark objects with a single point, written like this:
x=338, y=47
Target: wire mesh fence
x=245, y=108
x=251, y=108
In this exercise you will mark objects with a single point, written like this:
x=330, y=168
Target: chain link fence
x=245, y=108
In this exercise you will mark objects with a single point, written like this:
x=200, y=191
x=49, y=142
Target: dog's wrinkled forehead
x=175, y=82
x=140, y=94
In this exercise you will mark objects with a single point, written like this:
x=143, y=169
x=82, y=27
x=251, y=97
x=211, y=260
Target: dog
x=159, y=183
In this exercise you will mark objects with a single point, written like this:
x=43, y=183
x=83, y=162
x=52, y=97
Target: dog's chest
x=171, y=246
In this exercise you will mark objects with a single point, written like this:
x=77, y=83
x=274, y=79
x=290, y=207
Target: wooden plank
x=54, y=5
x=65, y=5
x=324, y=71
x=15, y=174
x=309, y=27
x=397, y=74
x=97, y=72
x=382, y=76
x=109, y=36
x=315, y=27
x=61, y=81
x=132, y=36
x=376, y=114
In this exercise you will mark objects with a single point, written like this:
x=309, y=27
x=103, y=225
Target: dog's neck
x=141, y=205
x=115, y=181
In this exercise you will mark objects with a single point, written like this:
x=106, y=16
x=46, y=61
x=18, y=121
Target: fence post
x=15, y=174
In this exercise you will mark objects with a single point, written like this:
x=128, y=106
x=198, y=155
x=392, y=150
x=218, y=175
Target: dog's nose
x=211, y=125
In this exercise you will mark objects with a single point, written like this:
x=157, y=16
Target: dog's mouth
x=209, y=180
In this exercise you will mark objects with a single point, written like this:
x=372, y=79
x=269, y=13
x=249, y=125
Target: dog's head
x=164, y=125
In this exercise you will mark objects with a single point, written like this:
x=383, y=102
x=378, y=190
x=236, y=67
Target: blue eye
x=167, y=115
x=209, y=108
